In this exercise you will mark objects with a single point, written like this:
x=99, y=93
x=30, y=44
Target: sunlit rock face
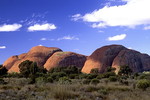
x=65, y=59
x=116, y=56
x=38, y=54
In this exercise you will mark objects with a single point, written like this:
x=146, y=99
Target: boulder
x=65, y=59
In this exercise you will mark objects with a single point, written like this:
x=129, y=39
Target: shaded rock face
x=135, y=60
x=38, y=54
x=116, y=56
x=65, y=59
x=102, y=58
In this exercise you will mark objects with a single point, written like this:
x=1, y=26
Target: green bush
x=49, y=79
x=40, y=80
x=83, y=76
x=73, y=76
x=100, y=76
x=86, y=81
x=143, y=84
x=95, y=81
x=64, y=80
x=113, y=78
x=94, y=71
x=91, y=76
x=28, y=68
x=108, y=74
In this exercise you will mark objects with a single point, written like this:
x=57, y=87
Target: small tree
x=3, y=70
x=125, y=70
x=94, y=71
x=29, y=68
x=143, y=84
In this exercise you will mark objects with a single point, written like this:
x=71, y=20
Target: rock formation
x=111, y=55
x=64, y=59
x=116, y=56
x=38, y=54
x=47, y=57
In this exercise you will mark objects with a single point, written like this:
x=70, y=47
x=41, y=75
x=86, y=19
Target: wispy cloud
x=117, y=37
x=2, y=47
x=147, y=28
x=76, y=17
x=68, y=38
x=46, y=39
x=10, y=27
x=131, y=14
x=42, y=27
x=43, y=39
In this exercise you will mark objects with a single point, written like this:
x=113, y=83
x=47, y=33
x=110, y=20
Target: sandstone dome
x=65, y=59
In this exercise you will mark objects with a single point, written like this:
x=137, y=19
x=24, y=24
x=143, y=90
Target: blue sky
x=80, y=26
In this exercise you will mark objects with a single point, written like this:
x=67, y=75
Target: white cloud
x=76, y=17
x=43, y=39
x=40, y=45
x=117, y=37
x=101, y=31
x=42, y=27
x=129, y=47
x=10, y=27
x=68, y=38
x=2, y=47
x=147, y=28
x=131, y=14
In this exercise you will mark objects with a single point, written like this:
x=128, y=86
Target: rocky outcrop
x=102, y=58
x=116, y=56
x=65, y=59
x=38, y=54
x=47, y=57
x=111, y=55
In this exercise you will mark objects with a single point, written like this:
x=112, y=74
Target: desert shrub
x=143, y=84
x=100, y=76
x=103, y=91
x=2, y=81
x=108, y=74
x=94, y=81
x=83, y=76
x=123, y=77
x=123, y=82
x=94, y=71
x=110, y=69
x=14, y=75
x=57, y=75
x=90, y=88
x=113, y=78
x=3, y=70
x=73, y=76
x=49, y=79
x=144, y=76
x=91, y=76
x=86, y=81
x=64, y=80
x=40, y=80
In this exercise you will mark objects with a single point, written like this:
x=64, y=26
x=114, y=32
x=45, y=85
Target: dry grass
x=19, y=89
